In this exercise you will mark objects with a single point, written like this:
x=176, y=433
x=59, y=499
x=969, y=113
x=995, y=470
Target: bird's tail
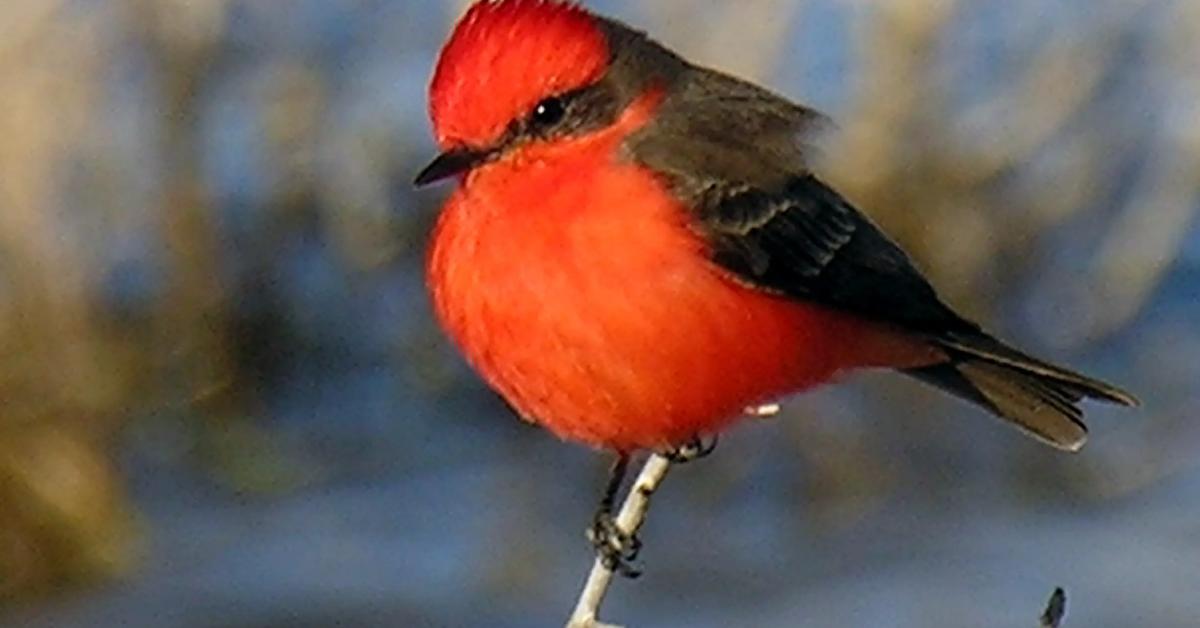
x=1039, y=398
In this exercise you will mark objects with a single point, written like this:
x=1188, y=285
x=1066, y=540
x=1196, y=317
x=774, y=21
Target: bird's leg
x=616, y=547
x=691, y=451
x=629, y=518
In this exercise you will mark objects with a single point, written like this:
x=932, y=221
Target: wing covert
x=806, y=241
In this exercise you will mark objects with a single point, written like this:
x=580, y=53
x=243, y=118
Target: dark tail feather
x=1039, y=398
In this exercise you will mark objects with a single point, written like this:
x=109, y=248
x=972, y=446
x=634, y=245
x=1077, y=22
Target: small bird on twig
x=639, y=248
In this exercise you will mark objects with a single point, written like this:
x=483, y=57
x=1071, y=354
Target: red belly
x=594, y=309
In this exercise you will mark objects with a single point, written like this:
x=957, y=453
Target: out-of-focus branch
x=193, y=320
x=63, y=381
x=1056, y=609
x=896, y=57
x=1063, y=80
x=629, y=520
x=24, y=26
x=1147, y=238
x=767, y=23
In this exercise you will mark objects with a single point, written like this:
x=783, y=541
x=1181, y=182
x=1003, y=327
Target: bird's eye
x=549, y=112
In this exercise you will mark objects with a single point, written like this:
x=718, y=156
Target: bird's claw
x=616, y=548
x=690, y=452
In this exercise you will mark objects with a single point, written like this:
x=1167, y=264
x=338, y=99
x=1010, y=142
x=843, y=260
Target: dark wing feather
x=806, y=241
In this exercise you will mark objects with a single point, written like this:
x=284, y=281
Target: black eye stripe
x=572, y=112
x=563, y=112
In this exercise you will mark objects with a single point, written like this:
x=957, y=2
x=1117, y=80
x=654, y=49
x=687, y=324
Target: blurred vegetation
x=1044, y=169
x=69, y=372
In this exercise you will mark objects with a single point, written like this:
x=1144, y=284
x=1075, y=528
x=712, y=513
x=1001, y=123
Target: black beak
x=449, y=164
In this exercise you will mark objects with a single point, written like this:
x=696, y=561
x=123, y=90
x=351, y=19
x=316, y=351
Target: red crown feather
x=505, y=56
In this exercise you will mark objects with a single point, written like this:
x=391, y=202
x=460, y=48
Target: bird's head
x=515, y=71
x=503, y=59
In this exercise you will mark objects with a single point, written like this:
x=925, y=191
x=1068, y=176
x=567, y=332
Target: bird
x=638, y=248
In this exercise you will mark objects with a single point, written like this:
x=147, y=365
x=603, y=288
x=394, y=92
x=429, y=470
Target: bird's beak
x=450, y=163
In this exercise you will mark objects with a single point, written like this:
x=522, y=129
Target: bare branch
x=629, y=520
x=1056, y=609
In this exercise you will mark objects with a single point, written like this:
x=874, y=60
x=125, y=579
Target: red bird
x=638, y=248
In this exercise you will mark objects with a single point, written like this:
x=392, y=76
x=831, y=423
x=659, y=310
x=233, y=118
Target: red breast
x=575, y=284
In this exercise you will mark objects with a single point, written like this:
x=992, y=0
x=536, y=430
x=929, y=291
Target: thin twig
x=629, y=520
x=1056, y=609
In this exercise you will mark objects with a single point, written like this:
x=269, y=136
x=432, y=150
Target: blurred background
x=223, y=401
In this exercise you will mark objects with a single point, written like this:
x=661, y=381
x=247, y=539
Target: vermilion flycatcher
x=638, y=249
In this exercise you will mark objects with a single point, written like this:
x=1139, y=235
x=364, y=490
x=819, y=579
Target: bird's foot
x=692, y=451
x=616, y=548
